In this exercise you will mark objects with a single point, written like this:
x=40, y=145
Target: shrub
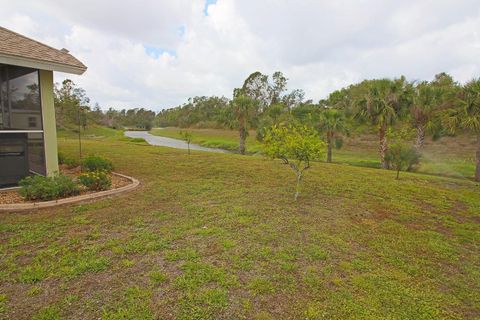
x=401, y=156
x=96, y=163
x=69, y=162
x=72, y=163
x=47, y=188
x=96, y=180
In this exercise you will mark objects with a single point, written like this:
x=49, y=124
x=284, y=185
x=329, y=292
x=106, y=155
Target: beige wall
x=49, y=125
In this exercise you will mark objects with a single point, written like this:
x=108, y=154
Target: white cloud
x=319, y=45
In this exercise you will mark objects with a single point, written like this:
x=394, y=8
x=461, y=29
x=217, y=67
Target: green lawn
x=218, y=236
x=449, y=156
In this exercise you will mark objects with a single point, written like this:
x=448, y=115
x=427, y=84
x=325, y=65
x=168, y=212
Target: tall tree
x=426, y=101
x=382, y=105
x=429, y=99
x=333, y=124
x=239, y=116
x=69, y=100
x=466, y=116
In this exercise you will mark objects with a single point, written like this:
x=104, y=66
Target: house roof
x=16, y=49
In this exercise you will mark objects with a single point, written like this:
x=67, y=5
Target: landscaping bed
x=12, y=196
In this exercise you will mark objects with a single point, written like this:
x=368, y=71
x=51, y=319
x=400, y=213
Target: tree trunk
x=420, y=137
x=383, y=146
x=477, y=169
x=298, y=186
x=329, y=148
x=398, y=174
x=243, y=136
x=188, y=145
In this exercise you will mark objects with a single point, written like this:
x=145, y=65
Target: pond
x=169, y=142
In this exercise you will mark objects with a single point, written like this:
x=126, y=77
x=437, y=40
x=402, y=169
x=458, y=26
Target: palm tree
x=332, y=123
x=466, y=116
x=381, y=105
x=429, y=99
x=242, y=108
x=426, y=100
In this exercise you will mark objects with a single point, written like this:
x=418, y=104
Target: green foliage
x=333, y=124
x=402, y=156
x=187, y=136
x=96, y=163
x=296, y=143
x=47, y=188
x=71, y=105
x=69, y=162
x=296, y=146
x=96, y=180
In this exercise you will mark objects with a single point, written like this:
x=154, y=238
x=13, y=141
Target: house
x=28, y=137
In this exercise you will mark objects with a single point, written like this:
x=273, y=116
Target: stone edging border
x=53, y=203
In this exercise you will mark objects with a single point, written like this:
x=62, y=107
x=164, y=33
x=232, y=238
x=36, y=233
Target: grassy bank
x=449, y=156
x=213, y=236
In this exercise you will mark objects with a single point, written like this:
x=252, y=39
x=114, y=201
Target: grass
x=449, y=156
x=218, y=236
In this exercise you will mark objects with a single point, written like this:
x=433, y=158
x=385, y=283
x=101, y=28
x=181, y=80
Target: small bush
x=96, y=180
x=47, y=188
x=69, y=162
x=96, y=163
x=72, y=163
x=401, y=156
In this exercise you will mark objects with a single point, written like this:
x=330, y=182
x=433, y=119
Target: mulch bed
x=12, y=196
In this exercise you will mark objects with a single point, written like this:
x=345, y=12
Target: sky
x=158, y=53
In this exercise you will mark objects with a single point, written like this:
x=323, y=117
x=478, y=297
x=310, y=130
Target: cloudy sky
x=157, y=53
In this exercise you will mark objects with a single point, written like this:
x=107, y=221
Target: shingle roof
x=28, y=52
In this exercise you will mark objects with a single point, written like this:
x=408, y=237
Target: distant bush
x=96, y=180
x=134, y=140
x=47, y=188
x=69, y=162
x=97, y=163
x=72, y=163
x=402, y=157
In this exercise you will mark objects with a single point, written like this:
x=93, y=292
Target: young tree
x=466, y=116
x=402, y=156
x=382, y=105
x=333, y=124
x=187, y=136
x=296, y=146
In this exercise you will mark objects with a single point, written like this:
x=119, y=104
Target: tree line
x=73, y=109
x=391, y=107
x=394, y=108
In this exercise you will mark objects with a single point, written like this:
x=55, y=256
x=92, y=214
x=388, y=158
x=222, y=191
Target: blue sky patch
x=207, y=3
x=156, y=51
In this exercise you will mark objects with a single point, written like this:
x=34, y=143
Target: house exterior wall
x=49, y=124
